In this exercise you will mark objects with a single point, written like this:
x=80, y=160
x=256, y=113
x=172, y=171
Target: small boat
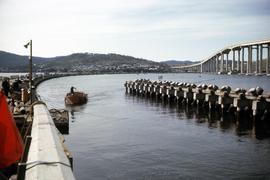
x=76, y=98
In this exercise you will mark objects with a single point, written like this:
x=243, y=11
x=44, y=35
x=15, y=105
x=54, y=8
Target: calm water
x=119, y=136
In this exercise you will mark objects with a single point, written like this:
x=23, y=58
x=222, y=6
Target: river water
x=120, y=136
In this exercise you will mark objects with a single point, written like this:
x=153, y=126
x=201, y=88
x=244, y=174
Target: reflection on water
x=73, y=110
x=242, y=123
x=262, y=129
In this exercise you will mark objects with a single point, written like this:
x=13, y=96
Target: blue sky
x=152, y=29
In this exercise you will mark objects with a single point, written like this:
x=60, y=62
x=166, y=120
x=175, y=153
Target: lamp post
x=30, y=69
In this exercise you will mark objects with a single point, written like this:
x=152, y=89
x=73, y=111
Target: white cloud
x=152, y=29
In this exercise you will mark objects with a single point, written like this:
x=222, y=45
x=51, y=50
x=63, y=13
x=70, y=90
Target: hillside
x=80, y=62
x=14, y=62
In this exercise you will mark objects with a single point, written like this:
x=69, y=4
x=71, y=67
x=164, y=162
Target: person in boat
x=72, y=90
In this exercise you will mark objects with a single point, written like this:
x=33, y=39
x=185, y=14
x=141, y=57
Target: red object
x=11, y=145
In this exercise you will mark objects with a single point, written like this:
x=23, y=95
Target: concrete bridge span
x=244, y=58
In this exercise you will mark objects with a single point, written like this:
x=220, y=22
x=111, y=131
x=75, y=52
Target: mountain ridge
x=78, y=62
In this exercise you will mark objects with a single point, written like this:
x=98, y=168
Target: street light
x=30, y=68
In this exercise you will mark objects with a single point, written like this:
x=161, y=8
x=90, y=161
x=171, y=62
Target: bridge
x=245, y=58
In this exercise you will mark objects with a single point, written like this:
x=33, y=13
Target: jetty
x=254, y=102
x=45, y=154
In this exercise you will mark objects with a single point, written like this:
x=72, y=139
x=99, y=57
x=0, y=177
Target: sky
x=157, y=30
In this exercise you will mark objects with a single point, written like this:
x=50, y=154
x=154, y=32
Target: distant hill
x=176, y=62
x=9, y=61
x=80, y=62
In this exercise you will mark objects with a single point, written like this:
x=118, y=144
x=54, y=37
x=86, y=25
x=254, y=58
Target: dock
x=45, y=155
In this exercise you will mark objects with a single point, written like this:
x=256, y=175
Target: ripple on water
x=117, y=136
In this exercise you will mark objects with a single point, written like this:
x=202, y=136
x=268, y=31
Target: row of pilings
x=254, y=103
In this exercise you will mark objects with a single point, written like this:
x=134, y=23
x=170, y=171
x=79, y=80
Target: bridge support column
x=249, y=63
x=227, y=62
x=233, y=61
x=261, y=58
x=238, y=61
x=257, y=59
x=243, y=59
x=216, y=58
x=268, y=59
x=209, y=66
x=222, y=63
x=213, y=65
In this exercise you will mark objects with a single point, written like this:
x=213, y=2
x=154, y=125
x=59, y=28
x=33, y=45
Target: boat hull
x=76, y=98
